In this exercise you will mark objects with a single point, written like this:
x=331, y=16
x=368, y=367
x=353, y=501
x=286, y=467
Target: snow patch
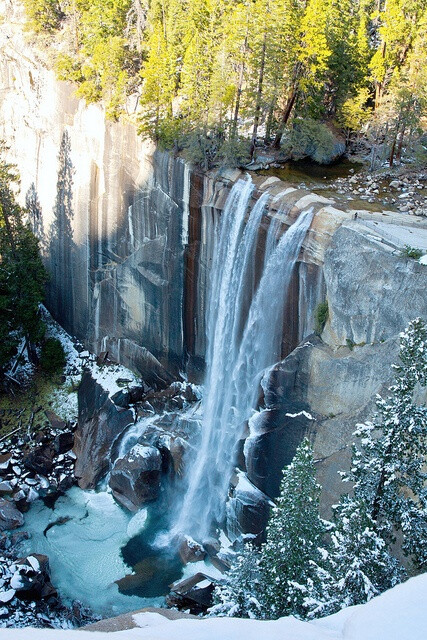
x=397, y=614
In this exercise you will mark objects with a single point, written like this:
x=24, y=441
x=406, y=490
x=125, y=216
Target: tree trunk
x=393, y=146
x=400, y=145
x=379, y=87
x=259, y=95
x=286, y=115
x=270, y=120
x=239, y=92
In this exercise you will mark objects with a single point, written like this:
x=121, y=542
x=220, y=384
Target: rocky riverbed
x=32, y=468
x=406, y=194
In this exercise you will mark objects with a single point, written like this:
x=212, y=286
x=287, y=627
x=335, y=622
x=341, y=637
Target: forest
x=215, y=79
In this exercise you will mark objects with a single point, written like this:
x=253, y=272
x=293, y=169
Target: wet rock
x=10, y=540
x=212, y=547
x=135, y=478
x=10, y=517
x=170, y=399
x=126, y=397
x=31, y=580
x=194, y=594
x=191, y=551
x=5, y=488
x=100, y=422
x=5, y=462
x=248, y=510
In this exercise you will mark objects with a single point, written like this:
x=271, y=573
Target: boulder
x=100, y=422
x=55, y=421
x=40, y=460
x=135, y=478
x=10, y=540
x=31, y=580
x=191, y=551
x=5, y=461
x=194, y=594
x=248, y=510
x=10, y=517
x=5, y=488
x=63, y=442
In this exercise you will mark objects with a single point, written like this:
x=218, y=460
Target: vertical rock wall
x=126, y=231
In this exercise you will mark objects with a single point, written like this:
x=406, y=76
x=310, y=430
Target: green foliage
x=411, y=252
x=242, y=68
x=292, y=554
x=52, y=359
x=321, y=314
x=354, y=113
x=350, y=343
x=287, y=575
x=43, y=15
x=308, y=137
x=360, y=564
x=22, y=275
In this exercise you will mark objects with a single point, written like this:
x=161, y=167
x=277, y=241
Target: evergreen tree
x=360, y=564
x=388, y=468
x=288, y=575
x=22, y=275
x=292, y=557
x=242, y=592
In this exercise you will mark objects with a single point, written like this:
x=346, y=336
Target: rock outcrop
x=135, y=478
x=100, y=422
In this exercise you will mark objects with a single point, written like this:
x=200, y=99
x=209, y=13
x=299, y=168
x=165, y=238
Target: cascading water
x=239, y=349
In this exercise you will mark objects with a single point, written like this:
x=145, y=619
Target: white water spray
x=239, y=349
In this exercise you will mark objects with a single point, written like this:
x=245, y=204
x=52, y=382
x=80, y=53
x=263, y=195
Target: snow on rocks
x=36, y=468
x=28, y=598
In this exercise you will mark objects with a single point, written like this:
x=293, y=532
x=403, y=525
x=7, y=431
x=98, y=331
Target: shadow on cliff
x=60, y=245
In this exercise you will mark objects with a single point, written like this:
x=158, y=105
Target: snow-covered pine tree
x=389, y=465
x=292, y=556
x=360, y=564
x=240, y=594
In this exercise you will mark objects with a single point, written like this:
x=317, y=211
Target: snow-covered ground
x=398, y=614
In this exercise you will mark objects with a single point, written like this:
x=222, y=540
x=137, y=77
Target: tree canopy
x=22, y=275
x=246, y=70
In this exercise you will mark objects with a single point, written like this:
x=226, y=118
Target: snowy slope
x=398, y=614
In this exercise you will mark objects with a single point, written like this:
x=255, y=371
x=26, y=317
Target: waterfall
x=241, y=344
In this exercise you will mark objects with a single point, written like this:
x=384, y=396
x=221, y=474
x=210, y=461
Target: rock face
x=135, y=478
x=100, y=422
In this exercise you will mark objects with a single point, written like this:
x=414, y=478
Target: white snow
x=300, y=413
x=107, y=377
x=423, y=260
x=398, y=614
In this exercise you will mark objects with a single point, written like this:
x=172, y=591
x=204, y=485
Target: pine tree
x=289, y=574
x=292, y=557
x=360, y=564
x=241, y=593
x=22, y=275
x=388, y=468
